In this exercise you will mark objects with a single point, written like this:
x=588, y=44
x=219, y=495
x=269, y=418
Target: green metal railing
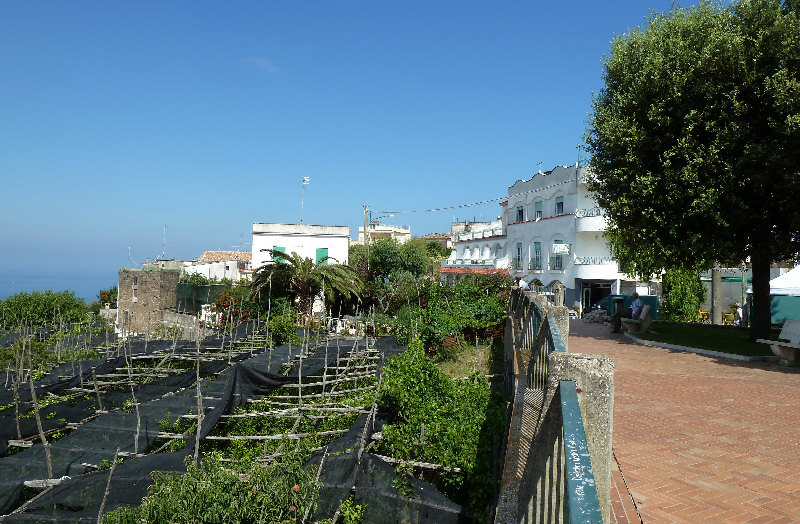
x=563, y=485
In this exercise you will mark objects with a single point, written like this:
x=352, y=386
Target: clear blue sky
x=119, y=117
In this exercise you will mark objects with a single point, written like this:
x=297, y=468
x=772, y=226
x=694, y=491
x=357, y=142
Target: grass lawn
x=725, y=340
x=464, y=360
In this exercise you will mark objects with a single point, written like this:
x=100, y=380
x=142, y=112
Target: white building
x=554, y=237
x=308, y=241
x=478, y=245
x=377, y=231
x=230, y=265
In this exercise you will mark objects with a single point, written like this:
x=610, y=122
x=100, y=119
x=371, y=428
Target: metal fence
x=559, y=481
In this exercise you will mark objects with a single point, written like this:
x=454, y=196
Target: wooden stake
x=108, y=488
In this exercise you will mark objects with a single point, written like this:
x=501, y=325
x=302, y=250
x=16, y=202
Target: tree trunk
x=716, y=294
x=761, y=318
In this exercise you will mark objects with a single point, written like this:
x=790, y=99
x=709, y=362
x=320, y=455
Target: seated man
x=632, y=312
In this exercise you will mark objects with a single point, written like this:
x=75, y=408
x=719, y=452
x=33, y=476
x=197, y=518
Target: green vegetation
x=105, y=296
x=280, y=492
x=471, y=305
x=41, y=308
x=436, y=419
x=302, y=280
x=725, y=340
x=695, y=141
x=683, y=292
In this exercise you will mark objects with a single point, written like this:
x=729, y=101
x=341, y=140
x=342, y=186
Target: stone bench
x=639, y=325
x=788, y=343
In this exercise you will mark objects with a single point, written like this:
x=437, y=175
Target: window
x=135, y=280
x=322, y=254
x=537, y=210
x=518, y=258
x=520, y=214
x=281, y=249
x=557, y=260
x=536, y=263
x=560, y=205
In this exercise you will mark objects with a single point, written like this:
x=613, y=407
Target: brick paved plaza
x=697, y=438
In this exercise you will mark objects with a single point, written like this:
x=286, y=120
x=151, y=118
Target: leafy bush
x=217, y=492
x=683, y=292
x=104, y=296
x=41, y=308
x=443, y=421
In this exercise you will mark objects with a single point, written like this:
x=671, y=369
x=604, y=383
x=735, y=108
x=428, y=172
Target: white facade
x=233, y=270
x=308, y=241
x=481, y=244
x=378, y=231
x=554, y=234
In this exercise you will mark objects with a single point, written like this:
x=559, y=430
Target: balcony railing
x=596, y=261
x=535, y=264
x=589, y=212
x=469, y=262
x=557, y=263
x=484, y=233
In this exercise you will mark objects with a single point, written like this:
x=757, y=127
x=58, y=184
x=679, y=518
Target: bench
x=788, y=343
x=639, y=325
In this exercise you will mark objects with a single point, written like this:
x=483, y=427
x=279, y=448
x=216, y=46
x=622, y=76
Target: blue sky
x=119, y=117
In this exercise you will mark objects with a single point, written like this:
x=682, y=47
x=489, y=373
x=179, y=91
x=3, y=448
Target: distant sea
x=85, y=284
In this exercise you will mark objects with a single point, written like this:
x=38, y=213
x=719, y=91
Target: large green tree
x=303, y=280
x=695, y=141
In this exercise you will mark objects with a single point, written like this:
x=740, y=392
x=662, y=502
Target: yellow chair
x=728, y=319
x=703, y=315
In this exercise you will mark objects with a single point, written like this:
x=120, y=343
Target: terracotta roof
x=474, y=270
x=224, y=256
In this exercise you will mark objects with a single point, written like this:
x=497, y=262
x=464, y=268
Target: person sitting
x=632, y=312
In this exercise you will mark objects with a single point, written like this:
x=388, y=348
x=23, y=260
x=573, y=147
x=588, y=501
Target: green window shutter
x=281, y=249
x=537, y=209
x=322, y=252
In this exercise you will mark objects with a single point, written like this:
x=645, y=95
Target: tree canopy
x=303, y=280
x=695, y=141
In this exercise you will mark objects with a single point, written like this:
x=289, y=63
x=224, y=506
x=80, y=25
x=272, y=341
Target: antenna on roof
x=131, y=258
x=164, y=244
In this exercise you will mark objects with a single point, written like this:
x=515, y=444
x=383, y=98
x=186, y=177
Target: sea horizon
x=84, y=283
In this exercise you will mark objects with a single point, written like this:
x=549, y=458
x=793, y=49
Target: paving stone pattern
x=698, y=438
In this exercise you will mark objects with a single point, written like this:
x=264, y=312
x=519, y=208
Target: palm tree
x=303, y=280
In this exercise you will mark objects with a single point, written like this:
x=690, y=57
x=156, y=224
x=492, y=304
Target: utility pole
x=366, y=224
x=366, y=233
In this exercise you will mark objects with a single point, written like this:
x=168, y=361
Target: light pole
x=306, y=181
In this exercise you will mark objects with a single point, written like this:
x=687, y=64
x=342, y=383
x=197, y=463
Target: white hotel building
x=550, y=234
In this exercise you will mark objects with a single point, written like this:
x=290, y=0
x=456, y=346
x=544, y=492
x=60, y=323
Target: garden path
x=698, y=438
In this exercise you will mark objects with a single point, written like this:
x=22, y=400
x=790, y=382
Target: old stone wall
x=143, y=296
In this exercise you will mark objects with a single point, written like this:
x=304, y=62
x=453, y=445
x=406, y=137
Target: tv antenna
x=131, y=258
x=164, y=244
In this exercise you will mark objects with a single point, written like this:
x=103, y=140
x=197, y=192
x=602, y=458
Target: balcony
x=481, y=262
x=556, y=263
x=590, y=220
x=484, y=233
x=594, y=261
x=535, y=264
